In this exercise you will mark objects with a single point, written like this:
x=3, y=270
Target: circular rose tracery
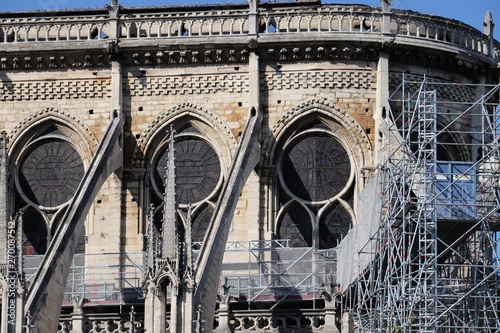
x=316, y=167
x=50, y=172
x=197, y=169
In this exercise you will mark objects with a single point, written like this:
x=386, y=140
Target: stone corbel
x=113, y=49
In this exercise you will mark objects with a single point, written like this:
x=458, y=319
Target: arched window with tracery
x=315, y=186
x=198, y=177
x=47, y=170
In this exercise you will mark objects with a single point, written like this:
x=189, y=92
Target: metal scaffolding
x=434, y=256
x=256, y=271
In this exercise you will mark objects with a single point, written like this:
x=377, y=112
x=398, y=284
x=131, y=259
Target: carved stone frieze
x=59, y=89
x=51, y=61
x=321, y=52
x=151, y=57
x=439, y=61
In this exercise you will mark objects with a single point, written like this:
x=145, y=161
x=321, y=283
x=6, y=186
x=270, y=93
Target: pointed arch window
x=316, y=184
x=198, y=177
x=48, y=172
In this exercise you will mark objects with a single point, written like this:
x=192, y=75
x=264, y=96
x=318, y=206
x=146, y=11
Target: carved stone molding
x=357, y=136
x=68, y=119
x=183, y=109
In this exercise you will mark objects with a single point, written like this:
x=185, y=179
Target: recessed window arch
x=48, y=167
x=315, y=180
x=448, y=142
x=198, y=173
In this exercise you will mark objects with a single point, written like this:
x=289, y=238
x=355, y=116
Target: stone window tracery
x=198, y=178
x=315, y=188
x=48, y=172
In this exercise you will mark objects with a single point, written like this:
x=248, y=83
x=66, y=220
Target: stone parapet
x=90, y=29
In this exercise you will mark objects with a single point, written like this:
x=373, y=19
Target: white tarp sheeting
x=357, y=249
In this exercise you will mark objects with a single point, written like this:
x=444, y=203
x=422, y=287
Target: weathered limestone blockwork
x=350, y=87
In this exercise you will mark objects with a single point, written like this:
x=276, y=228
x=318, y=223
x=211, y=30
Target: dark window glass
x=296, y=226
x=334, y=226
x=200, y=224
x=50, y=172
x=316, y=167
x=197, y=169
x=35, y=233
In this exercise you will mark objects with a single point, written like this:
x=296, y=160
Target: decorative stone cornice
x=37, y=60
x=41, y=61
x=314, y=52
x=437, y=60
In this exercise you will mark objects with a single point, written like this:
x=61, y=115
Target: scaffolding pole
x=435, y=267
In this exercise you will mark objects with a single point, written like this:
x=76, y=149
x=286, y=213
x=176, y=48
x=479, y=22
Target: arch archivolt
x=339, y=121
x=51, y=128
x=458, y=148
x=36, y=123
x=211, y=125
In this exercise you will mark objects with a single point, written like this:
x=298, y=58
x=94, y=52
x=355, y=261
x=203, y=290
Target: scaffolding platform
x=427, y=243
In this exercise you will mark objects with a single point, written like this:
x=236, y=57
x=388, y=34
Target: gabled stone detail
x=156, y=267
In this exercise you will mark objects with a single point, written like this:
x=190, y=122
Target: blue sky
x=470, y=12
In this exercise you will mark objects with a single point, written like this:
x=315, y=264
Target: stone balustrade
x=54, y=28
x=108, y=326
x=355, y=19
x=151, y=23
x=280, y=321
x=242, y=321
x=165, y=25
x=412, y=24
